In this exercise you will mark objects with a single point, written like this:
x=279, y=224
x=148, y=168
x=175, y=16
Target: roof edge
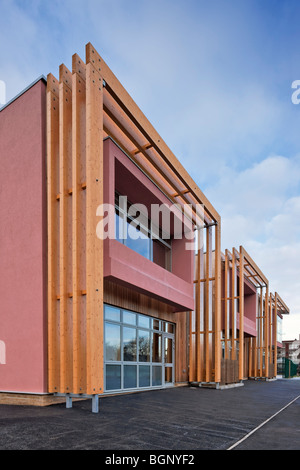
x=41, y=77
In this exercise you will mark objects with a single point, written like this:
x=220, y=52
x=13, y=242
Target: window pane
x=144, y=376
x=129, y=318
x=112, y=342
x=161, y=255
x=113, y=377
x=144, y=321
x=130, y=377
x=138, y=240
x=112, y=313
x=156, y=324
x=156, y=375
x=144, y=346
x=129, y=344
x=119, y=230
x=156, y=348
x=168, y=351
x=168, y=327
x=168, y=375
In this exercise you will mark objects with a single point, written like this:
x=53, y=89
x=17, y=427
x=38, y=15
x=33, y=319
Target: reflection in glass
x=156, y=375
x=144, y=376
x=144, y=321
x=113, y=377
x=138, y=240
x=129, y=344
x=130, y=377
x=129, y=318
x=119, y=230
x=112, y=313
x=156, y=324
x=168, y=351
x=156, y=348
x=168, y=375
x=112, y=342
x=168, y=327
x=144, y=346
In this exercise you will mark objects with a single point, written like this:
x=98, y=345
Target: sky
x=215, y=79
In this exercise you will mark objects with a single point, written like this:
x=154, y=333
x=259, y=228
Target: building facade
x=113, y=275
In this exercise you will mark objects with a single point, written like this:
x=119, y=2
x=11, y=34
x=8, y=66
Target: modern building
x=291, y=350
x=112, y=275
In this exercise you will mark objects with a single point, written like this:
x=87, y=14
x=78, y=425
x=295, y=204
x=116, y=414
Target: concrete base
x=216, y=385
x=263, y=379
x=30, y=399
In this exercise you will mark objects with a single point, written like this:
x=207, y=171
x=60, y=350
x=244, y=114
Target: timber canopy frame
x=85, y=106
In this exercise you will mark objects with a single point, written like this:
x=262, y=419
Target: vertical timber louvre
x=75, y=253
x=81, y=113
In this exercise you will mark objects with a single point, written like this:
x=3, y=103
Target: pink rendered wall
x=23, y=242
x=123, y=264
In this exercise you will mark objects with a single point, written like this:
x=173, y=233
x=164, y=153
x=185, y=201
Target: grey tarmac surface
x=177, y=419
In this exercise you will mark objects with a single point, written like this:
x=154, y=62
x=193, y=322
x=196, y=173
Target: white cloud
x=260, y=211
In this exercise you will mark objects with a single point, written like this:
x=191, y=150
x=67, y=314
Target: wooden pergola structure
x=262, y=349
x=238, y=267
x=85, y=106
x=277, y=307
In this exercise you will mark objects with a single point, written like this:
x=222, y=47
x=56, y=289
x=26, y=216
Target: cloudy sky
x=214, y=78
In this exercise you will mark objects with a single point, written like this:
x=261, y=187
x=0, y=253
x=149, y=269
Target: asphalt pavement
x=258, y=416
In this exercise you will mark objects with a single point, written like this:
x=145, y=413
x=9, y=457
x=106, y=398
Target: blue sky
x=214, y=78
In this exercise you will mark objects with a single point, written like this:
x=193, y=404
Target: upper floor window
x=135, y=231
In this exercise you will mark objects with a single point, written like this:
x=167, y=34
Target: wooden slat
x=241, y=313
x=207, y=307
x=199, y=303
x=53, y=246
x=137, y=117
x=78, y=221
x=65, y=232
x=261, y=319
x=217, y=301
x=233, y=306
x=94, y=246
x=275, y=334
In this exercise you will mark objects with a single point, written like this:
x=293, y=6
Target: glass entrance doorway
x=168, y=365
x=139, y=351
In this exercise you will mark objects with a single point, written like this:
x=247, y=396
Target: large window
x=139, y=236
x=138, y=350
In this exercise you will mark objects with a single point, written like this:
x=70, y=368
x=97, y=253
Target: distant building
x=291, y=350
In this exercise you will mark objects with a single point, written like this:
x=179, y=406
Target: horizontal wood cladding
x=75, y=253
x=123, y=297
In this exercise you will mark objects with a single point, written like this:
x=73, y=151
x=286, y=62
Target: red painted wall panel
x=23, y=219
x=128, y=267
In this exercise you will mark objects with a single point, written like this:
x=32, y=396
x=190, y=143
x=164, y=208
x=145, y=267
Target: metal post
x=95, y=403
x=68, y=401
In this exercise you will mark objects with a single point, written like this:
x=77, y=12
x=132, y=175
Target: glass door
x=169, y=359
